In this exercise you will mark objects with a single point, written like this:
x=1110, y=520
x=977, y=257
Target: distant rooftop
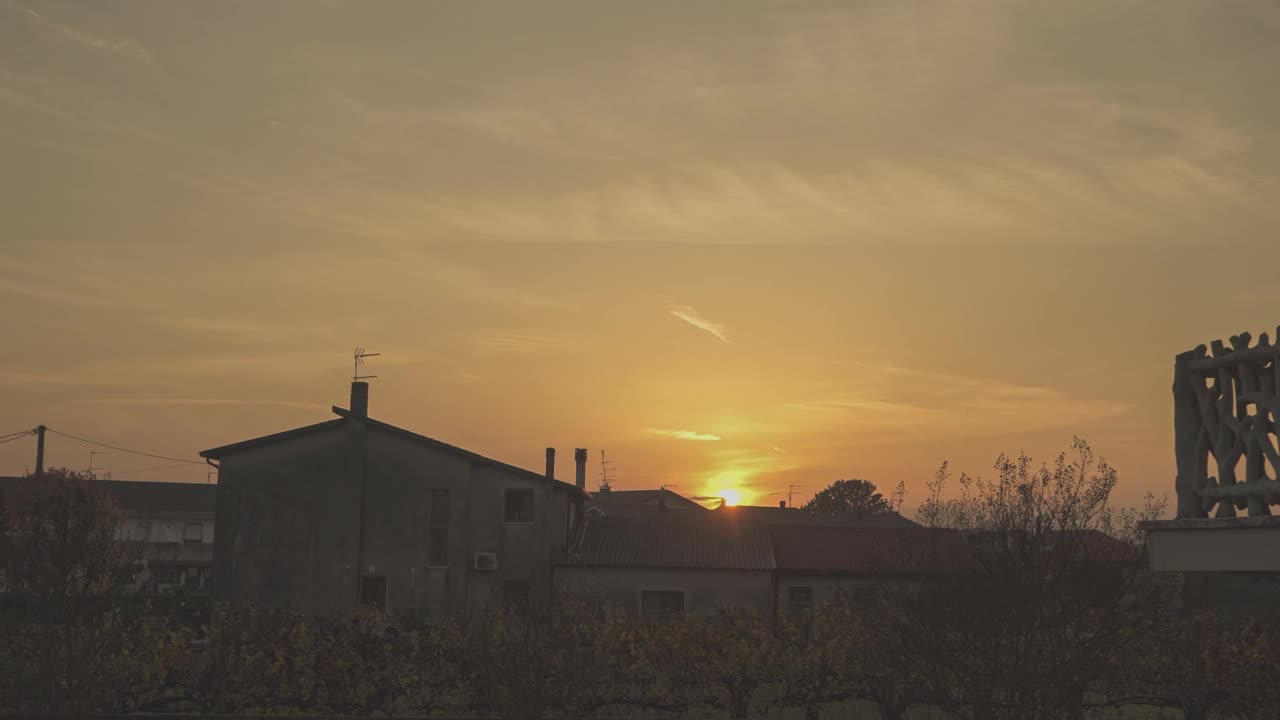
x=671, y=540
x=795, y=516
x=152, y=496
x=879, y=550
x=635, y=502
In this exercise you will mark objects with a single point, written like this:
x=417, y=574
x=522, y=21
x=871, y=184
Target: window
x=438, y=529
x=515, y=594
x=519, y=506
x=661, y=603
x=373, y=591
x=799, y=598
x=192, y=579
x=193, y=533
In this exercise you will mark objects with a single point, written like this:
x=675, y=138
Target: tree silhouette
x=856, y=496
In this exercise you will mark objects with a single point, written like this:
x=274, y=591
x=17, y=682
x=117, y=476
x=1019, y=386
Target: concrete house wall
x=287, y=530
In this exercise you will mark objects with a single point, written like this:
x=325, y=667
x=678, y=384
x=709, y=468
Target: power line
x=149, y=469
x=15, y=437
x=133, y=452
x=20, y=432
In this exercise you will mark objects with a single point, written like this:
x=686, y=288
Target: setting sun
x=731, y=497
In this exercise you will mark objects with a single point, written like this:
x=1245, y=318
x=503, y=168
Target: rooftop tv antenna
x=91, y=454
x=359, y=356
x=790, y=491
x=606, y=470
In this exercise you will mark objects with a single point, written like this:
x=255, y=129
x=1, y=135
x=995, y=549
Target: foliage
x=1239, y=661
x=1051, y=606
x=851, y=496
x=65, y=564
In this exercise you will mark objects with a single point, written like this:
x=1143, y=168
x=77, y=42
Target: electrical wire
x=15, y=437
x=20, y=432
x=149, y=469
x=127, y=450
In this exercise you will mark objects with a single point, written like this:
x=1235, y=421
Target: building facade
x=352, y=510
x=170, y=528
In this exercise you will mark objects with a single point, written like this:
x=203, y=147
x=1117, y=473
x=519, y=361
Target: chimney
x=551, y=463
x=580, y=457
x=360, y=398
x=782, y=504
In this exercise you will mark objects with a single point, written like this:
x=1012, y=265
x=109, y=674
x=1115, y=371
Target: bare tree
x=1052, y=604
x=65, y=561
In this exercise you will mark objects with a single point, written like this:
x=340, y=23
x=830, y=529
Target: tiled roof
x=795, y=516
x=868, y=550
x=147, y=496
x=671, y=540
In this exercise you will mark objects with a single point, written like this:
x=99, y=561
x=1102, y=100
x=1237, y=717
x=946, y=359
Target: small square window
x=515, y=594
x=799, y=598
x=519, y=506
x=193, y=533
x=373, y=591
x=661, y=603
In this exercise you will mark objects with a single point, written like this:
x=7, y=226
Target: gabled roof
x=671, y=540
x=345, y=416
x=872, y=550
x=149, y=496
x=634, y=502
x=770, y=515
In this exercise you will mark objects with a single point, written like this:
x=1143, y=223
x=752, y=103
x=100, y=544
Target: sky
x=735, y=245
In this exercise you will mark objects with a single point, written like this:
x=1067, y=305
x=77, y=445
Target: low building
x=170, y=525
x=352, y=509
x=660, y=564
x=816, y=564
x=657, y=564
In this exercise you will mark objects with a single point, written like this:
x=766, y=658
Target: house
x=666, y=563
x=816, y=563
x=661, y=563
x=638, y=502
x=353, y=509
x=171, y=527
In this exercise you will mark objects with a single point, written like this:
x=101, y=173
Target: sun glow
x=731, y=497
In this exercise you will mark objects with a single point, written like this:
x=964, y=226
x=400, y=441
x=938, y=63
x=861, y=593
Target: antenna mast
x=790, y=491
x=359, y=357
x=606, y=478
x=91, y=454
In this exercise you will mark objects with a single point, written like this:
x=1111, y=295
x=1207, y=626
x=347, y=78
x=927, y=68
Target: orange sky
x=733, y=244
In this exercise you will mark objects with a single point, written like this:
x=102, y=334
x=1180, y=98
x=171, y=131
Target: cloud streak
x=683, y=434
x=123, y=47
x=691, y=316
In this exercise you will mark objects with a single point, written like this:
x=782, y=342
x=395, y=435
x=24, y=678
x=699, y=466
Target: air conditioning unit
x=486, y=561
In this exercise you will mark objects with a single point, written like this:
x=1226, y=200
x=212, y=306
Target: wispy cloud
x=207, y=401
x=120, y=46
x=682, y=434
x=692, y=317
x=502, y=343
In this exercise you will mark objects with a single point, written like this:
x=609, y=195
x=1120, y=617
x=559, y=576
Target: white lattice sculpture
x=1226, y=415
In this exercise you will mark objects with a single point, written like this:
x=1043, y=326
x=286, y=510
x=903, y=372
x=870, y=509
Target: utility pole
x=40, y=450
